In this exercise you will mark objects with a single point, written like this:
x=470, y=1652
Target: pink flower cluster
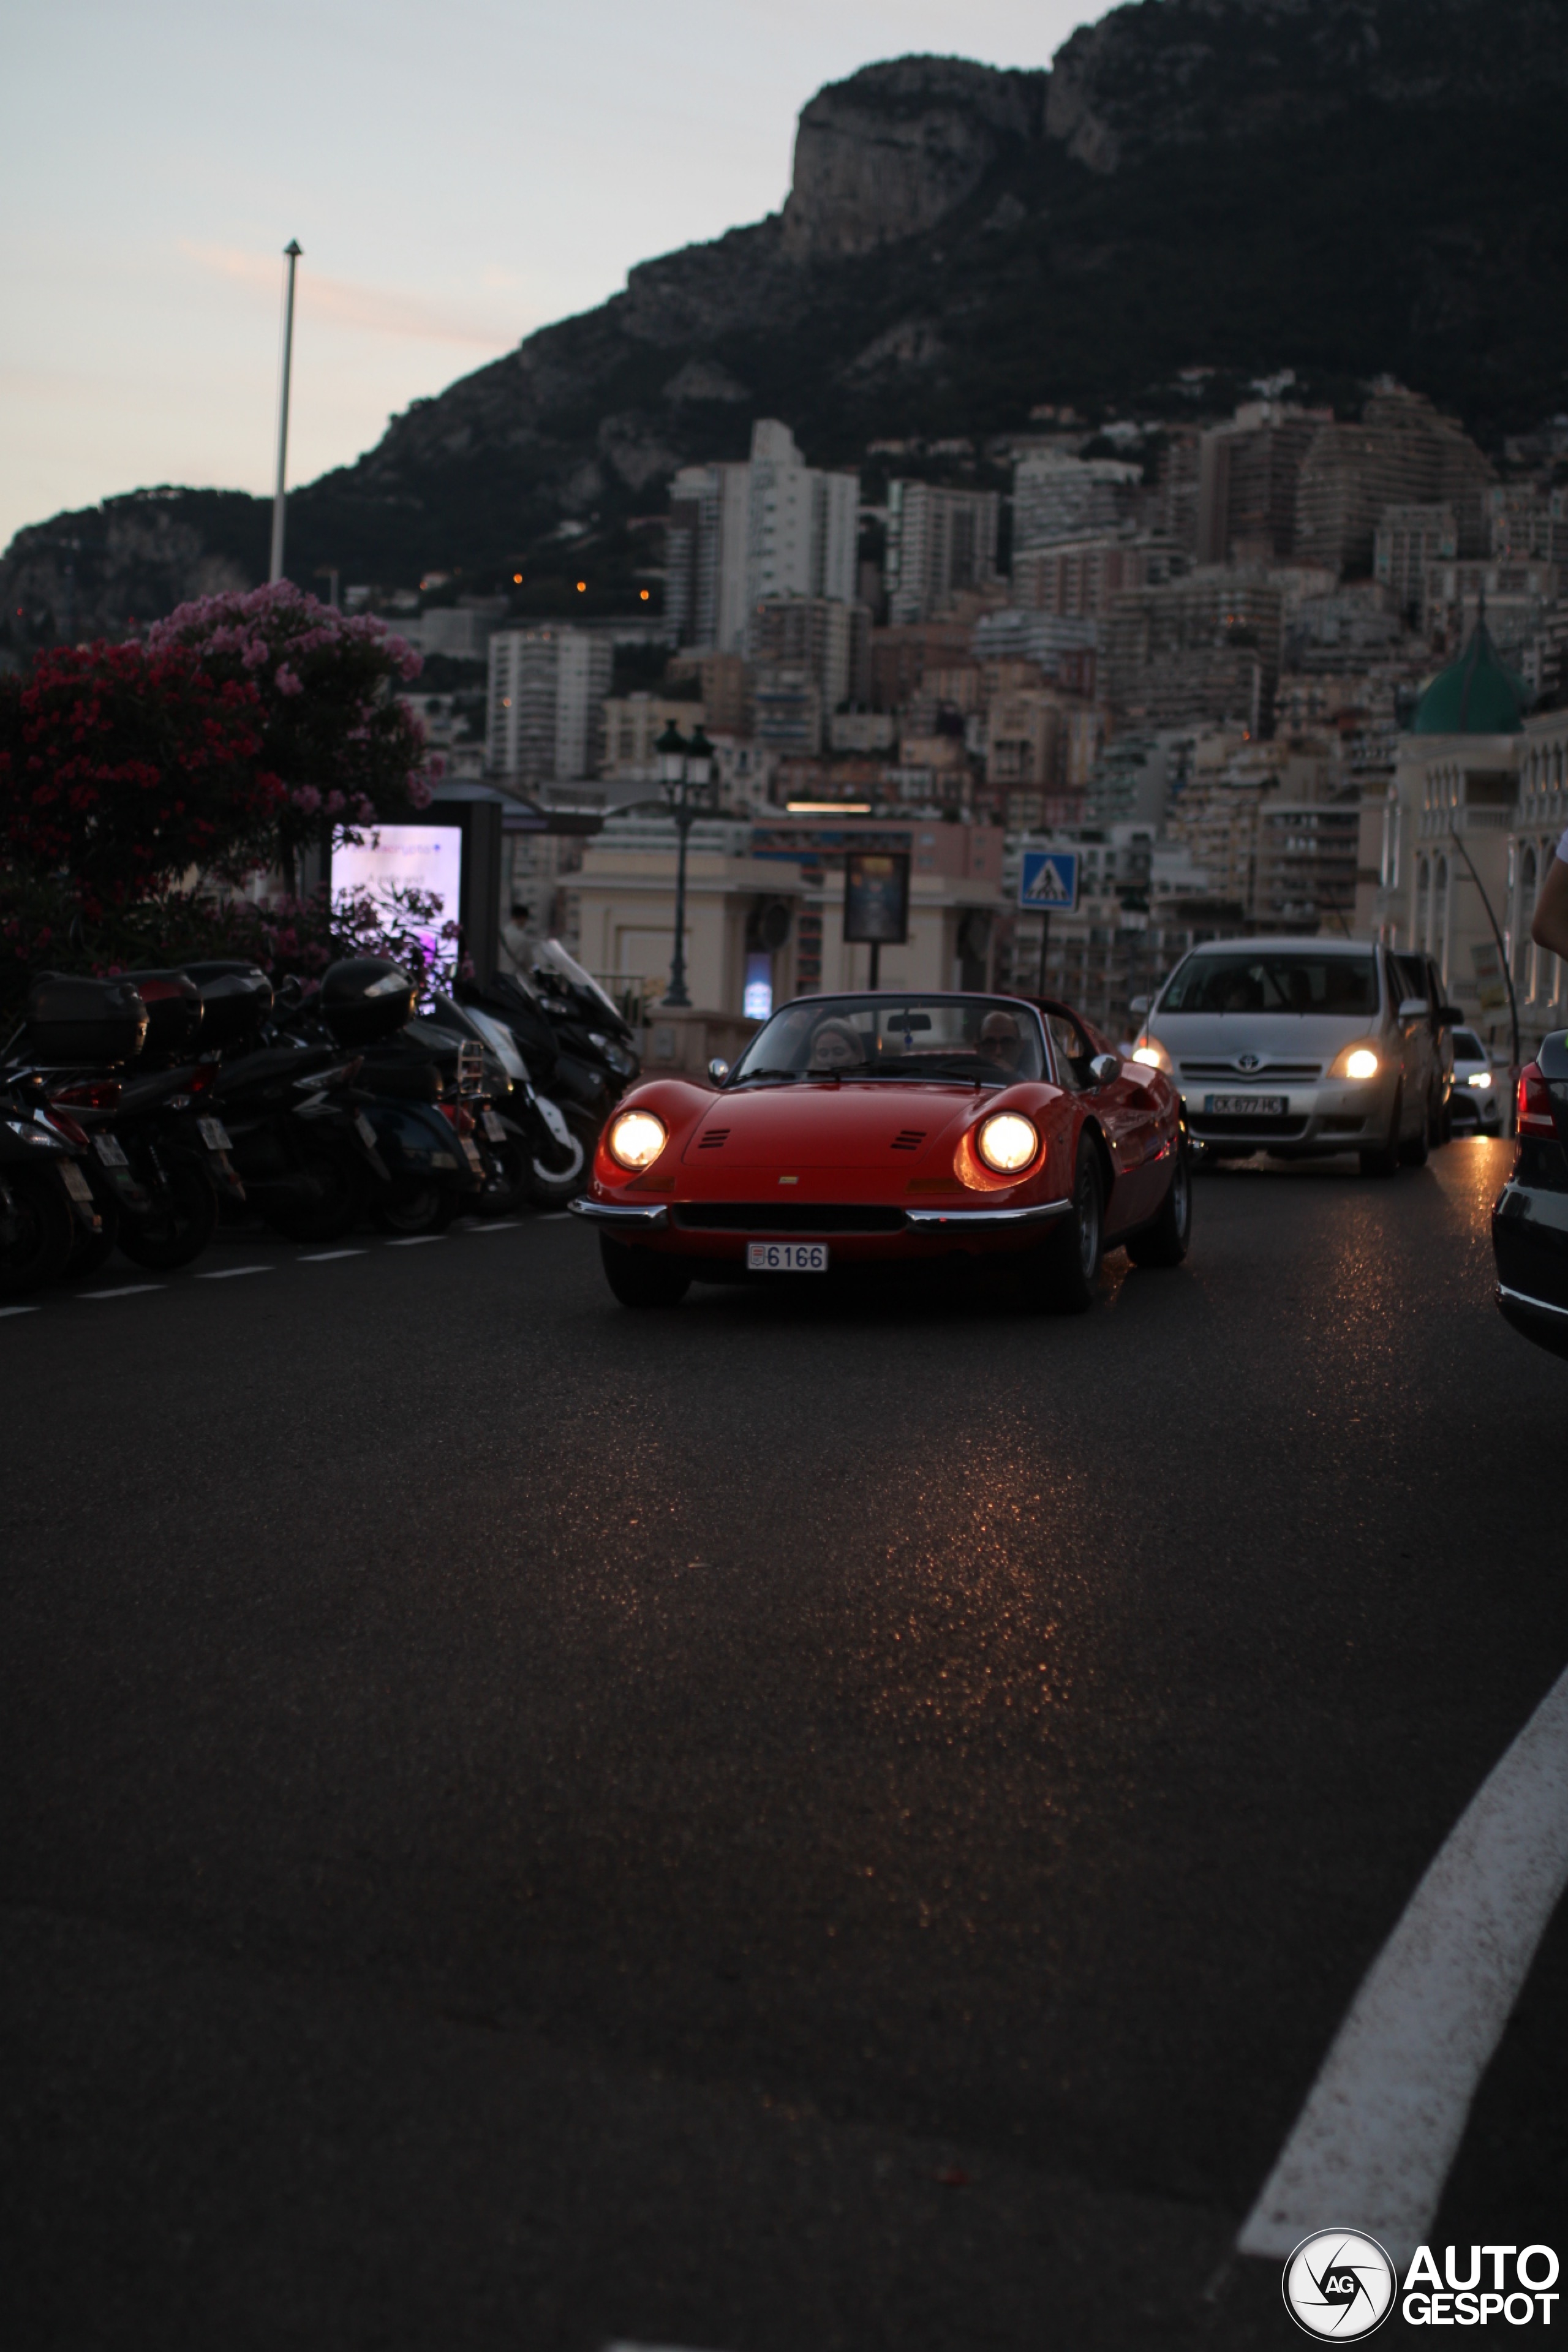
x=257, y=623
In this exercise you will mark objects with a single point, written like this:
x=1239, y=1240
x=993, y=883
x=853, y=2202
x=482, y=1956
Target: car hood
x=1273, y=1037
x=876, y=1124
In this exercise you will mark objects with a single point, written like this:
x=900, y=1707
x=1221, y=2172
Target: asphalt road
x=791, y=1825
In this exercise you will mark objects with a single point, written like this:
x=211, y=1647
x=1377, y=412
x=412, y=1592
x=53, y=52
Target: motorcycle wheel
x=88, y=1251
x=513, y=1185
x=175, y=1228
x=35, y=1231
x=322, y=1212
x=559, y=1174
x=416, y=1204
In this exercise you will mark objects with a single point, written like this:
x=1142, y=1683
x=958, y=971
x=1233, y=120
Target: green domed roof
x=1474, y=696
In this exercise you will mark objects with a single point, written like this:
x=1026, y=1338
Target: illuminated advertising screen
x=425, y=857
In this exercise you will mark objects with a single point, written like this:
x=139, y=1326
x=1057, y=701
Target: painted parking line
x=1382, y=2125
x=320, y=1257
x=126, y=1290
x=415, y=1241
x=16, y=1310
x=227, y=1273
x=495, y=1225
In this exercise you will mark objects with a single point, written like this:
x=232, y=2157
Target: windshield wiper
x=745, y=1076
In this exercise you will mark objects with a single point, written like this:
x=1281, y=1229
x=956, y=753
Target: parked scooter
x=46, y=1202
x=542, y=1158
x=596, y=1059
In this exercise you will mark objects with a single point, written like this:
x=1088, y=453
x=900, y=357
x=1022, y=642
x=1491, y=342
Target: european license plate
x=786, y=1257
x=213, y=1134
x=366, y=1132
x=109, y=1151
x=492, y=1127
x=76, y=1184
x=1248, y=1106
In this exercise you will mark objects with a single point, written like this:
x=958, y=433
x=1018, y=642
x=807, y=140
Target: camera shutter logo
x=1339, y=2284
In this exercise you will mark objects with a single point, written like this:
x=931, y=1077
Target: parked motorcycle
x=46, y=1200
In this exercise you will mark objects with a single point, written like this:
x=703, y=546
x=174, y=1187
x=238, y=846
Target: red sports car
x=898, y=1130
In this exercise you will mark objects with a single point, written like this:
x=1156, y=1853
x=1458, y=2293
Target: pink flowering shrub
x=331, y=726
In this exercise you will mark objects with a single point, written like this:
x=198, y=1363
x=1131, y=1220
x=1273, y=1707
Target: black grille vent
x=713, y=1137
x=770, y=1217
x=909, y=1138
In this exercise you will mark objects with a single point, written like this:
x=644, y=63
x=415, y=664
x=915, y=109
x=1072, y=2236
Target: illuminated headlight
x=1479, y=1078
x=1153, y=1055
x=1007, y=1143
x=1354, y=1062
x=637, y=1139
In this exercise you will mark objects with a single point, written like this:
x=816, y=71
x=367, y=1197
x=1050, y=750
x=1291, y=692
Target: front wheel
x=1383, y=1160
x=35, y=1222
x=1067, y=1264
x=1166, y=1241
x=178, y=1222
x=417, y=1204
x=322, y=1200
x=641, y=1277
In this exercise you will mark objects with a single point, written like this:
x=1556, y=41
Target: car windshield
x=1468, y=1046
x=979, y=1040
x=1273, y=980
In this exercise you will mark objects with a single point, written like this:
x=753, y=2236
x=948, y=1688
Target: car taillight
x=204, y=1075
x=1535, y=1113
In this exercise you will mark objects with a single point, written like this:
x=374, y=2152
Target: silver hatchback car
x=1302, y=1048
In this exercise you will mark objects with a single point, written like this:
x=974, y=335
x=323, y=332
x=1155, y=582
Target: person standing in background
x=1548, y=927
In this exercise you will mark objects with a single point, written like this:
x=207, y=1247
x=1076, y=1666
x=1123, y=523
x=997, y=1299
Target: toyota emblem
x=1249, y=1060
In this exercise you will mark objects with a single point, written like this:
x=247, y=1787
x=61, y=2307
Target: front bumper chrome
x=654, y=1218
x=641, y=1219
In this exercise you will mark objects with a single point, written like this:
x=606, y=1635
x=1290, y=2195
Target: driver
x=1000, y=1040
x=834, y=1047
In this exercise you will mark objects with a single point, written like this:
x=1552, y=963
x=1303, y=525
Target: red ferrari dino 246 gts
x=896, y=1128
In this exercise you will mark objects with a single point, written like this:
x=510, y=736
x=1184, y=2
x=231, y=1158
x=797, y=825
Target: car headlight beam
x=1153, y=1055
x=635, y=1138
x=1361, y=1062
x=1006, y=1142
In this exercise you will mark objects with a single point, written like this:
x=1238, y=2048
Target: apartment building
x=940, y=542
x=739, y=533
x=1058, y=497
x=545, y=699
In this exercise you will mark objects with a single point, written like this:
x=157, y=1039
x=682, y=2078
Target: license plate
x=1248, y=1106
x=76, y=1184
x=366, y=1132
x=492, y=1127
x=213, y=1134
x=787, y=1257
x=471, y=1153
x=109, y=1151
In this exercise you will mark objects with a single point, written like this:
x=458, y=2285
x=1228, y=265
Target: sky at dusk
x=456, y=174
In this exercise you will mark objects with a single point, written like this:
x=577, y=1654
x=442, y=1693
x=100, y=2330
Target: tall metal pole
x=1497, y=934
x=676, y=993
x=293, y=250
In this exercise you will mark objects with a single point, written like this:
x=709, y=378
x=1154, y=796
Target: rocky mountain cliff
x=1343, y=187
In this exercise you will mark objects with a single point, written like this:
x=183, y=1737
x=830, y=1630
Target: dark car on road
x=1530, y=1222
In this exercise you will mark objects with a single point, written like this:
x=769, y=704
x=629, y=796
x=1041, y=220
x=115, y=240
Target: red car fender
x=680, y=1103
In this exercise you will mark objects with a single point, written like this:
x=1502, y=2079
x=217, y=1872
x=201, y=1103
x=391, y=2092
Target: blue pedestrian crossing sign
x=1049, y=881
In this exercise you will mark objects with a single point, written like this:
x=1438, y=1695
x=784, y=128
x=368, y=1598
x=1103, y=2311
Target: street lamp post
x=685, y=772
x=292, y=250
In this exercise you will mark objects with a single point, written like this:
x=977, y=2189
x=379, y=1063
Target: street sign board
x=1047, y=882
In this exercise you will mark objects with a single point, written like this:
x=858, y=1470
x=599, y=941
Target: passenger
x=1000, y=1040
x=836, y=1047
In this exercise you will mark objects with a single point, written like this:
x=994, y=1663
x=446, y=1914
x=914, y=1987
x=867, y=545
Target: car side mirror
x=1105, y=1068
x=1450, y=1016
x=1139, y=1004
x=718, y=1070
x=1415, y=1008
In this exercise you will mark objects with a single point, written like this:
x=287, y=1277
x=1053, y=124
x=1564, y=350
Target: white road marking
x=126, y=1290
x=1382, y=2125
x=320, y=1257
x=557, y=1217
x=626, y=2344
x=16, y=1310
x=415, y=1241
x=494, y=1225
x=227, y=1273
